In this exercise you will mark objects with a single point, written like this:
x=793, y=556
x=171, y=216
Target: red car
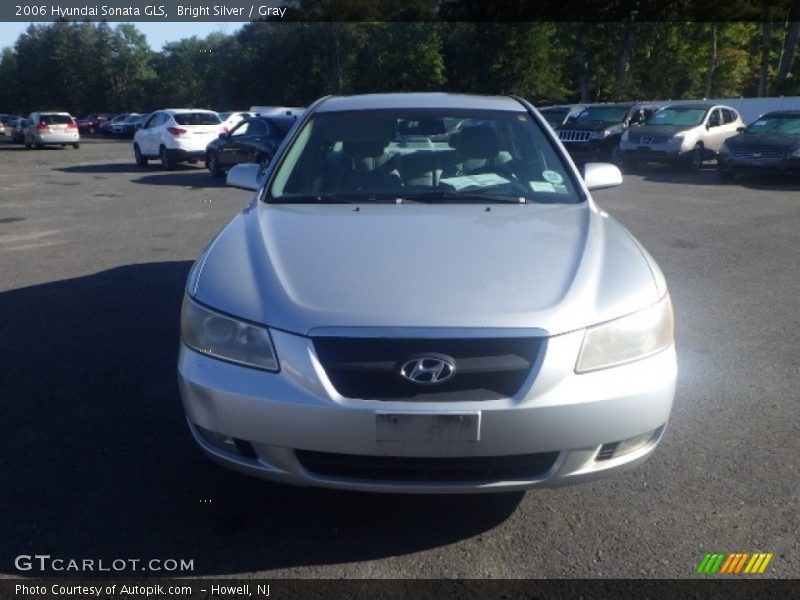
x=91, y=122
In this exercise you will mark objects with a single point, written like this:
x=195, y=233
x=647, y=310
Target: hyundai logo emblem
x=428, y=369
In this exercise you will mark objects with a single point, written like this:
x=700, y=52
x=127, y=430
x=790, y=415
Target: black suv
x=594, y=134
x=253, y=140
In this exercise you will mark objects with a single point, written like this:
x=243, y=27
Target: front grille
x=485, y=368
x=647, y=139
x=572, y=135
x=427, y=469
x=766, y=154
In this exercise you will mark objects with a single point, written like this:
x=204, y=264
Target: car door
x=228, y=152
x=730, y=121
x=715, y=130
x=250, y=145
x=148, y=140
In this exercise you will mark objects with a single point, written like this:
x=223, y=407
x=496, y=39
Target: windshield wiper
x=466, y=196
x=335, y=199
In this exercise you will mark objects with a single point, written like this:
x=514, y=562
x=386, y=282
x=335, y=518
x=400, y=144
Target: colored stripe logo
x=734, y=563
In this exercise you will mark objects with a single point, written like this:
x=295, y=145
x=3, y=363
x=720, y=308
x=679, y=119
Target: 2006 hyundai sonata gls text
x=423, y=297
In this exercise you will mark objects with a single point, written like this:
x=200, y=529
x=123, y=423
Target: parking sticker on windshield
x=542, y=186
x=481, y=180
x=552, y=176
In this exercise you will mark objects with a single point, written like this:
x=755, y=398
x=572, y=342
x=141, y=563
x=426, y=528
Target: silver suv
x=684, y=133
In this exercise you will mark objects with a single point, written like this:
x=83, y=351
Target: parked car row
x=44, y=128
x=173, y=136
x=632, y=134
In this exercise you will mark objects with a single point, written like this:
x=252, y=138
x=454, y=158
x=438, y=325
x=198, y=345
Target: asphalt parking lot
x=98, y=463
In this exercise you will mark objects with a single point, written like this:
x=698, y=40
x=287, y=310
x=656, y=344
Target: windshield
x=787, y=125
x=678, y=116
x=604, y=114
x=555, y=116
x=424, y=155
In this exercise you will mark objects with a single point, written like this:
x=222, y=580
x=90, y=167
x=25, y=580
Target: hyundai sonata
x=423, y=297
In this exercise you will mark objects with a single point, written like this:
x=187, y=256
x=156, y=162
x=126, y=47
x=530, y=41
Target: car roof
x=186, y=110
x=418, y=100
x=698, y=106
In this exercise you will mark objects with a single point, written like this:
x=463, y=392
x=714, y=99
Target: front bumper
x=652, y=152
x=279, y=415
x=787, y=164
x=589, y=150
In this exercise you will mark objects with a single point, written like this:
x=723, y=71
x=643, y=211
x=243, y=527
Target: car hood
x=300, y=267
x=763, y=141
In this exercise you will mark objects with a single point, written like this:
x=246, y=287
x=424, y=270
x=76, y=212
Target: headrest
x=364, y=148
x=358, y=128
x=476, y=141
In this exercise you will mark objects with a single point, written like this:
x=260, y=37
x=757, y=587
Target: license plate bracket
x=445, y=427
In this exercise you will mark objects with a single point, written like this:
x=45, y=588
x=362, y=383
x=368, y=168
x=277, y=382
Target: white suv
x=688, y=133
x=176, y=135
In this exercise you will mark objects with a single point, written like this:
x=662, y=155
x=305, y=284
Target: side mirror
x=601, y=175
x=741, y=129
x=245, y=176
x=223, y=135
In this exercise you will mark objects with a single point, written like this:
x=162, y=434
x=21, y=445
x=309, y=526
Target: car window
x=197, y=118
x=240, y=129
x=715, y=119
x=383, y=155
x=728, y=116
x=55, y=119
x=257, y=127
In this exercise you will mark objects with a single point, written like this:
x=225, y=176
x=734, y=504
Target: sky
x=157, y=33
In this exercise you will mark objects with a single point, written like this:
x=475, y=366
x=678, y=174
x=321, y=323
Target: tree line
x=86, y=67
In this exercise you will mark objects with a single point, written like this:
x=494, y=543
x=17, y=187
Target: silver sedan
x=408, y=307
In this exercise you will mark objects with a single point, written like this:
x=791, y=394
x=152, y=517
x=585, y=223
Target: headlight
x=677, y=140
x=796, y=152
x=624, y=137
x=599, y=135
x=226, y=338
x=628, y=338
x=724, y=150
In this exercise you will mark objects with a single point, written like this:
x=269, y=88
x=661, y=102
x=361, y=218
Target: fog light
x=224, y=442
x=617, y=449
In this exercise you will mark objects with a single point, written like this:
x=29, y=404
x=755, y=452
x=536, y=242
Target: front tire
x=695, y=162
x=137, y=154
x=166, y=161
x=212, y=162
x=76, y=145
